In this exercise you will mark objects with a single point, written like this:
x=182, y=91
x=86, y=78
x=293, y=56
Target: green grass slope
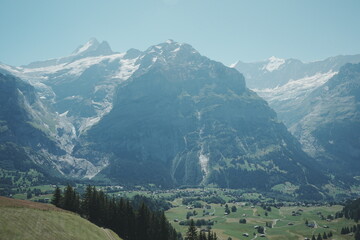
x=25, y=220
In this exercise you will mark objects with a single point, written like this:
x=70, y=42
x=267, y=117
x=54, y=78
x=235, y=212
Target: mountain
x=32, y=136
x=317, y=102
x=77, y=91
x=24, y=130
x=183, y=119
x=276, y=72
x=166, y=115
x=327, y=121
x=80, y=89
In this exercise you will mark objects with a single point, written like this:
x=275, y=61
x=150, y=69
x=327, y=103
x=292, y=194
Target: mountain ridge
x=170, y=116
x=258, y=77
x=91, y=48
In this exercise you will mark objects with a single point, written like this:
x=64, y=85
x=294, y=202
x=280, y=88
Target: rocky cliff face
x=24, y=131
x=328, y=120
x=33, y=132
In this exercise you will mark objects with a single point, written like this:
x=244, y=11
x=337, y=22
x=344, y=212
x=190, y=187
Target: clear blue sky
x=224, y=30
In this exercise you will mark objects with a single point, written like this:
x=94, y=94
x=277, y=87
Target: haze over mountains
x=170, y=116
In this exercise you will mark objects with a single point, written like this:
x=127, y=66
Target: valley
x=283, y=224
x=281, y=218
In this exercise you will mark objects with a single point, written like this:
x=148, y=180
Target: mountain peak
x=170, y=41
x=165, y=46
x=93, y=48
x=273, y=63
x=93, y=43
x=171, y=50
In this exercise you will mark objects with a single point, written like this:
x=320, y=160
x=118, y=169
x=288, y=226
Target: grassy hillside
x=25, y=220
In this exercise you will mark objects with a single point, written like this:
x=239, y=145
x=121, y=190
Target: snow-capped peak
x=233, y=65
x=170, y=41
x=92, y=44
x=91, y=48
x=273, y=64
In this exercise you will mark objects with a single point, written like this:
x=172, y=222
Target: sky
x=223, y=30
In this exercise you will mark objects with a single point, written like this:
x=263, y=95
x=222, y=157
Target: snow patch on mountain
x=273, y=64
x=85, y=47
x=233, y=65
x=127, y=68
x=295, y=89
x=74, y=68
x=10, y=69
x=176, y=50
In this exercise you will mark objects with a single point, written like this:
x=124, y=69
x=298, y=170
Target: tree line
x=352, y=210
x=355, y=230
x=192, y=233
x=120, y=215
x=116, y=214
x=321, y=237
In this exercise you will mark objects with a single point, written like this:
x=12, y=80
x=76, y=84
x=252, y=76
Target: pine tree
x=227, y=210
x=191, y=233
x=76, y=202
x=142, y=220
x=120, y=218
x=215, y=237
x=57, y=198
x=86, y=202
x=131, y=223
x=112, y=209
x=233, y=209
x=357, y=234
x=164, y=228
x=325, y=236
x=319, y=237
x=68, y=199
x=210, y=236
x=313, y=237
x=202, y=236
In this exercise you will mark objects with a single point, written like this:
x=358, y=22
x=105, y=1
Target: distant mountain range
x=276, y=72
x=166, y=115
x=318, y=102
